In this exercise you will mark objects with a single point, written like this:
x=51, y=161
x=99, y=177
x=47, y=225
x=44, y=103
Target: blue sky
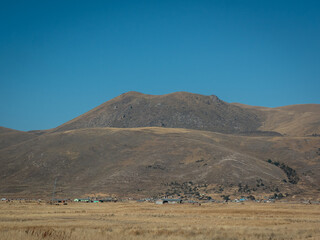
x=59, y=59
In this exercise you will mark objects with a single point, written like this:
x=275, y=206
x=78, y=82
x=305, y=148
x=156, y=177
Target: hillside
x=151, y=161
x=199, y=112
x=179, y=144
x=176, y=110
x=10, y=136
x=293, y=120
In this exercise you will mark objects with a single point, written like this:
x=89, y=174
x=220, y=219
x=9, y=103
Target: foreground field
x=150, y=221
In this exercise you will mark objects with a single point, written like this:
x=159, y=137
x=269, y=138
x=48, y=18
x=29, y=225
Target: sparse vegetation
x=79, y=221
x=226, y=197
x=291, y=173
x=186, y=190
x=156, y=166
x=243, y=189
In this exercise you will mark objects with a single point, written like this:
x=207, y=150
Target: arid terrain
x=179, y=145
x=154, y=162
x=198, y=149
x=131, y=220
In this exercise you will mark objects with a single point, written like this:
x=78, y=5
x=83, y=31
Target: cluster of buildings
x=95, y=200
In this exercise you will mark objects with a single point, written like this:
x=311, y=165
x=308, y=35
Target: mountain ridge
x=175, y=110
x=199, y=112
x=101, y=151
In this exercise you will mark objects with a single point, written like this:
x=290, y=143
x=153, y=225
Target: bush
x=292, y=175
x=226, y=197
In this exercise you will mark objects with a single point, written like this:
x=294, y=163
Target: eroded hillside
x=146, y=161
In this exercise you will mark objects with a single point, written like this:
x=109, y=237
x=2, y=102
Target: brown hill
x=155, y=161
x=177, y=144
x=294, y=120
x=195, y=111
x=176, y=110
x=10, y=136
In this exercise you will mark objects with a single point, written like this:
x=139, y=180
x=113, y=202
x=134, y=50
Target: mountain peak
x=132, y=93
x=174, y=110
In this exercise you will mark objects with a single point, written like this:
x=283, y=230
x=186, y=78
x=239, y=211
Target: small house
x=82, y=200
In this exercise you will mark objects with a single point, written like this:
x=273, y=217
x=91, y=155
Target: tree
x=226, y=197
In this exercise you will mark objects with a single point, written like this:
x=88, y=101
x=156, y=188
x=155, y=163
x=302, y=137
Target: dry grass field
x=133, y=220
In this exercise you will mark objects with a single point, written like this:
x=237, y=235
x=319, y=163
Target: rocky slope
x=179, y=144
x=177, y=110
x=146, y=161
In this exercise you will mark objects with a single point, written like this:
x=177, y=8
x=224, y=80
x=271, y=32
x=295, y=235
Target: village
x=157, y=201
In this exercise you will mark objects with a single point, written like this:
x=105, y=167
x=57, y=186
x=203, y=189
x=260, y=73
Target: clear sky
x=59, y=59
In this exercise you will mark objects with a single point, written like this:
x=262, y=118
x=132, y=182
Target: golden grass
x=149, y=221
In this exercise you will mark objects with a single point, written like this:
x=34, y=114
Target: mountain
x=143, y=145
x=177, y=110
x=199, y=112
x=293, y=120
